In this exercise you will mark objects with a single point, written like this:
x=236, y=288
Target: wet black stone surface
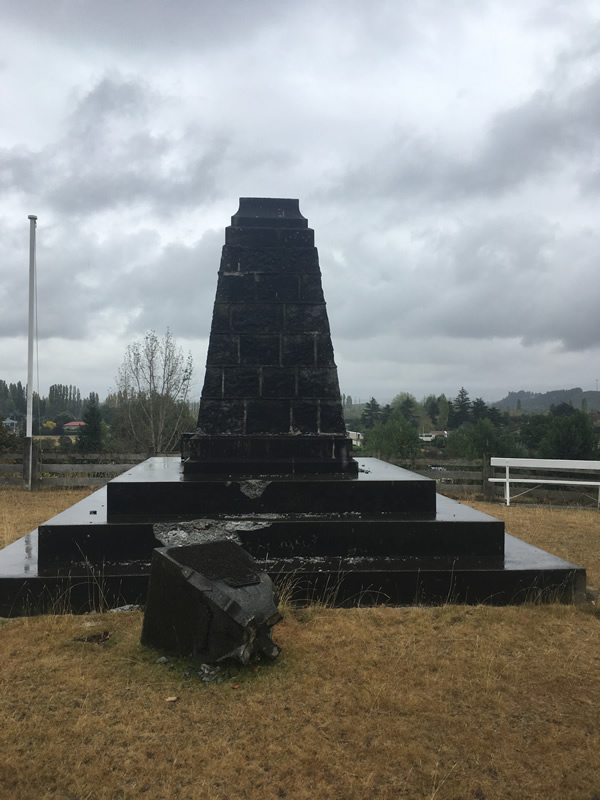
x=218, y=561
x=152, y=490
x=210, y=602
x=270, y=367
x=454, y=553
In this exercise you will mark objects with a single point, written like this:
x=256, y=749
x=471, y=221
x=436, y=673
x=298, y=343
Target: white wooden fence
x=556, y=465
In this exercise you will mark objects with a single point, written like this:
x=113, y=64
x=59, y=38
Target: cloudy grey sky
x=446, y=152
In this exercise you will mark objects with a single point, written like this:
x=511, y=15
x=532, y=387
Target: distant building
x=356, y=437
x=72, y=428
x=429, y=437
x=11, y=424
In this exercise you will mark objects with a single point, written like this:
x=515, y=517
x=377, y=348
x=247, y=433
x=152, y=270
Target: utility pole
x=29, y=426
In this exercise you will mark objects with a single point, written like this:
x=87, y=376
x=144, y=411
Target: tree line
x=146, y=413
x=150, y=408
x=470, y=428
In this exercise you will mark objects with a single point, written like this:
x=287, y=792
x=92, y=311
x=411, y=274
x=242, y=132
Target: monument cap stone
x=268, y=212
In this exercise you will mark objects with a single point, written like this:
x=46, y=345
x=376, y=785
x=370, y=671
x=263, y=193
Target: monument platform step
x=524, y=574
x=157, y=489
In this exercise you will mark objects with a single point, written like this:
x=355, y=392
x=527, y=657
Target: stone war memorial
x=267, y=488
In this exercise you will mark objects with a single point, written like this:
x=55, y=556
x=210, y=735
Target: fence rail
x=560, y=470
x=74, y=470
x=459, y=478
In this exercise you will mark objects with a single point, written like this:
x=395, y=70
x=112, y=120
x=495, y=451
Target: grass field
x=447, y=703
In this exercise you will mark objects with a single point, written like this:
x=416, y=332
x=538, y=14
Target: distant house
x=356, y=437
x=11, y=424
x=429, y=437
x=72, y=428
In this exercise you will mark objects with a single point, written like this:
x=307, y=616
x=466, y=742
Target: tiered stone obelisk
x=271, y=399
x=270, y=466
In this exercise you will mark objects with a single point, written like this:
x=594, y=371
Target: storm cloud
x=446, y=155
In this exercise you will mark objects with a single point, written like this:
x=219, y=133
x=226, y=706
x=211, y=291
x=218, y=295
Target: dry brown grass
x=446, y=703
x=21, y=511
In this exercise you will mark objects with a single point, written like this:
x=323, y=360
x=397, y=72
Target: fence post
x=486, y=472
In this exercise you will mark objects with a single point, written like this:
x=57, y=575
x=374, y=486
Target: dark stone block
x=268, y=416
x=279, y=260
x=331, y=418
x=69, y=542
x=269, y=237
x=324, y=348
x=221, y=416
x=144, y=494
x=241, y=382
x=235, y=288
x=526, y=575
x=223, y=349
x=260, y=350
x=304, y=260
x=318, y=382
x=231, y=259
x=305, y=416
x=311, y=289
x=283, y=538
x=282, y=288
x=213, y=382
x=306, y=318
x=291, y=238
x=298, y=349
x=221, y=321
x=278, y=382
x=269, y=455
x=256, y=318
x=210, y=602
x=274, y=212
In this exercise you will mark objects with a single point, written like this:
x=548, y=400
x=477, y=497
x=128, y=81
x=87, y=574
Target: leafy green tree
x=92, y=398
x=570, y=436
x=17, y=393
x=473, y=441
x=64, y=398
x=91, y=435
x=444, y=410
x=432, y=409
x=65, y=444
x=496, y=417
x=458, y=444
x=408, y=409
x=371, y=414
x=460, y=409
x=9, y=442
x=562, y=410
x=479, y=409
x=396, y=438
x=534, y=430
x=386, y=413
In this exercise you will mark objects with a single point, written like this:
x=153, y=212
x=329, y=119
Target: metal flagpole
x=29, y=427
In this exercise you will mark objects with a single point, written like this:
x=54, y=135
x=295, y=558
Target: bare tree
x=153, y=388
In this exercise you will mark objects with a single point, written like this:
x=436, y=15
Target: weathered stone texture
x=270, y=359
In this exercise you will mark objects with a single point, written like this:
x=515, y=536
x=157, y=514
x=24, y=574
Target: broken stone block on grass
x=210, y=602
